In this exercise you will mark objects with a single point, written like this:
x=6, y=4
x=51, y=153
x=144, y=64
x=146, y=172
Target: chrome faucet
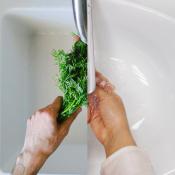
x=83, y=14
x=80, y=16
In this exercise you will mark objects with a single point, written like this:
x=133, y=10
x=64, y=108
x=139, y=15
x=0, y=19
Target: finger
x=98, y=94
x=101, y=80
x=66, y=124
x=56, y=105
x=92, y=114
x=76, y=38
x=89, y=116
x=100, y=77
x=93, y=105
x=89, y=110
x=104, y=83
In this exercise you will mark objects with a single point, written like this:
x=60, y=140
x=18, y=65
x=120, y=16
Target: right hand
x=107, y=117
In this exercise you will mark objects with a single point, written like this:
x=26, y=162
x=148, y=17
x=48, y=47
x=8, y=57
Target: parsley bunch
x=72, y=78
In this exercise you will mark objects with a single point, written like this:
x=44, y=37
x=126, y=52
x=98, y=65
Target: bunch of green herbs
x=72, y=79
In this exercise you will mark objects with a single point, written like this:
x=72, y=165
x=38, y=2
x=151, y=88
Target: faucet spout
x=83, y=13
x=80, y=16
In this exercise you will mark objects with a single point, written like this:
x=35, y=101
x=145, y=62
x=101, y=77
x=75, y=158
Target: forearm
x=28, y=164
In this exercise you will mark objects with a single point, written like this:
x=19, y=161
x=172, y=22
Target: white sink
x=28, y=36
x=135, y=48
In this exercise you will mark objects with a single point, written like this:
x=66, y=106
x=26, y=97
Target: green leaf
x=72, y=79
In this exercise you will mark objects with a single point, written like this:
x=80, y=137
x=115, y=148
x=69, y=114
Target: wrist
x=120, y=141
x=30, y=163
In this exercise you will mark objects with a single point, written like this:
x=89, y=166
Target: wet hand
x=107, y=117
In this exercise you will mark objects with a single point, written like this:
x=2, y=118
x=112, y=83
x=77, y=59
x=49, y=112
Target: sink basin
x=135, y=49
x=28, y=36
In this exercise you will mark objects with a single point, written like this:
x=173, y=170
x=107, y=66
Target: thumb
x=76, y=38
x=55, y=106
x=69, y=121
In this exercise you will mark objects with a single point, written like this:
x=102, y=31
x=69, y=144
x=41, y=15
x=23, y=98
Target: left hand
x=43, y=136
